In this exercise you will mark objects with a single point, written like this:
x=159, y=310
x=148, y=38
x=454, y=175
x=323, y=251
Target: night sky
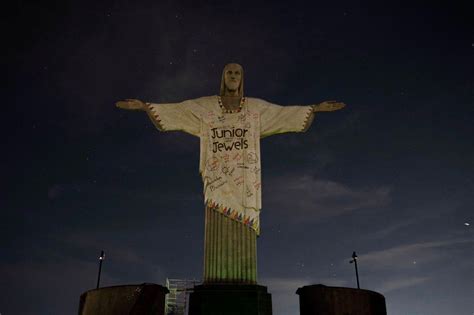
x=391, y=176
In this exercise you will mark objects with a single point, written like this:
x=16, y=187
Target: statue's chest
x=232, y=165
x=224, y=127
x=232, y=138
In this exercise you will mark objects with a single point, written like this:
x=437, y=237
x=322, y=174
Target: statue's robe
x=231, y=171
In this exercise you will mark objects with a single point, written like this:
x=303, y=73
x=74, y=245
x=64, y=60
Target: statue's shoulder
x=256, y=102
x=201, y=105
x=206, y=102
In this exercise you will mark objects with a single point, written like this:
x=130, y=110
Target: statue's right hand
x=131, y=104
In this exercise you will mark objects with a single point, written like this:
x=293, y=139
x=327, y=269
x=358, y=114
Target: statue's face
x=232, y=76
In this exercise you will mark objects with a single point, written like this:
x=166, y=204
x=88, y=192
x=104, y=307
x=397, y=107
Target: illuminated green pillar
x=230, y=251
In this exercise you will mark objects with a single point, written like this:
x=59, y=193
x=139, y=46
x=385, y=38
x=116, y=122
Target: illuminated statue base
x=230, y=299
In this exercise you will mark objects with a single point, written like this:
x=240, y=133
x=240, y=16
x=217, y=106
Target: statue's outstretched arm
x=167, y=117
x=328, y=106
x=276, y=119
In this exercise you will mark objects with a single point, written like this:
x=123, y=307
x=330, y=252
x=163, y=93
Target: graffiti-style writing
x=229, y=146
x=229, y=133
x=219, y=185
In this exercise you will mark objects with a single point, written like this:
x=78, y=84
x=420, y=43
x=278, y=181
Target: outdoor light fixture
x=101, y=259
x=354, y=260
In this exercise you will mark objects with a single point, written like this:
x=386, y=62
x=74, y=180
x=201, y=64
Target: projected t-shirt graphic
x=230, y=163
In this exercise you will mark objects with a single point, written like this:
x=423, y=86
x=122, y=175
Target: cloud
x=283, y=291
x=124, y=255
x=410, y=265
x=285, y=284
x=396, y=284
x=68, y=278
x=70, y=271
x=119, y=250
x=332, y=282
x=409, y=220
x=312, y=199
x=396, y=227
x=407, y=255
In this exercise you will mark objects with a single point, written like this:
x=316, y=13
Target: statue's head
x=232, y=82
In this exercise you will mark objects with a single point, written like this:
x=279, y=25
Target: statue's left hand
x=131, y=104
x=328, y=106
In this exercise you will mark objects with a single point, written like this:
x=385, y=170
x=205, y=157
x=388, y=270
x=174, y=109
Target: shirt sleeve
x=175, y=117
x=276, y=119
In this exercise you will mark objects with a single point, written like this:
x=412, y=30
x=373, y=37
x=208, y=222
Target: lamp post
x=354, y=260
x=101, y=259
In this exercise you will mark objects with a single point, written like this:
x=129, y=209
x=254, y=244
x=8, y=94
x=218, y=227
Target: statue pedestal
x=322, y=300
x=230, y=299
x=138, y=299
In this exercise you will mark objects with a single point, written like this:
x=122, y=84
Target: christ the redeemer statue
x=230, y=127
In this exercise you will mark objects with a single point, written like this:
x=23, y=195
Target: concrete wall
x=323, y=300
x=124, y=300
